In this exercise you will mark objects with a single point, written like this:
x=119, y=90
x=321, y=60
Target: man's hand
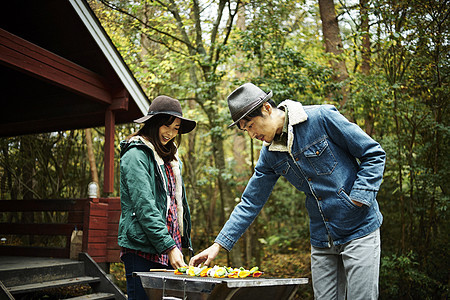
x=176, y=258
x=206, y=256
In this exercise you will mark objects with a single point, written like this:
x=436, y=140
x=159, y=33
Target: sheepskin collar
x=296, y=115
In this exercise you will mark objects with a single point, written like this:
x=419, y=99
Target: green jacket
x=144, y=201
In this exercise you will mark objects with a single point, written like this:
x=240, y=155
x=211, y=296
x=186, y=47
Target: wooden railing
x=97, y=218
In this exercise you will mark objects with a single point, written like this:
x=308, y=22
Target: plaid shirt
x=172, y=224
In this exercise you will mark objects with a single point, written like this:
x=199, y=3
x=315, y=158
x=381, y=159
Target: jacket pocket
x=346, y=199
x=321, y=158
x=136, y=234
x=348, y=217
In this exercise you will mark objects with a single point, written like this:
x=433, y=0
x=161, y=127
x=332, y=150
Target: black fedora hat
x=244, y=100
x=168, y=106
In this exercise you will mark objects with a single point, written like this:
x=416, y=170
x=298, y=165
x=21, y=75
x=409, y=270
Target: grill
x=166, y=285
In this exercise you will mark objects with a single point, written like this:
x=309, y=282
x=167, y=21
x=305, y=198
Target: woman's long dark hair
x=150, y=131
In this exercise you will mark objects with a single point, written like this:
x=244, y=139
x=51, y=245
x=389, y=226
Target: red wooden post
x=108, y=183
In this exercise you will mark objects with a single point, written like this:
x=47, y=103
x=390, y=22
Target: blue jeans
x=136, y=263
x=350, y=270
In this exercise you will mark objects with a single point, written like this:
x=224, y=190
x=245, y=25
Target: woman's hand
x=176, y=258
x=205, y=256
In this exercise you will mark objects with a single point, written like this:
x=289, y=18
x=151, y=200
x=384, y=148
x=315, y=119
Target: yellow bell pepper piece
x=243, y=274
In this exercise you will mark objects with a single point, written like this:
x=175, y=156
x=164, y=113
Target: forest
x=383, y=63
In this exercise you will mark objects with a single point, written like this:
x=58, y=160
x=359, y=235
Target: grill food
x=218, y=272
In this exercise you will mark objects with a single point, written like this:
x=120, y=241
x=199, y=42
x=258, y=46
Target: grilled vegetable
x=218, y=272
x=204, y=272
x=257, y=274
x=233, y=274
x=244, y=273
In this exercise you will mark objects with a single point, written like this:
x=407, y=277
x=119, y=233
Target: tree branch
x=198, y=27
x=229, y=26
x=112, y=6
x=174, y=10
x=215, y=28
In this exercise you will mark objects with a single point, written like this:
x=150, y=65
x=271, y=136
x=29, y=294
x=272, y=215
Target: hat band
x=169, y=112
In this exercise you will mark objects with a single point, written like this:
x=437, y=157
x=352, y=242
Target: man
x=339, y=168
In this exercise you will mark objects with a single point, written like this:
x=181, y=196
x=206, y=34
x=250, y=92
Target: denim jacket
x=331, y=160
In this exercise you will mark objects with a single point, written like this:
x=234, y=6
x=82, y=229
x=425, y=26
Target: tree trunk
x=91, y=157
x=239, y=149
x=241, y=172
x=28, y=172
x=365, y=60
x=400, y=176
x=226, y=196
x=333, y=43
x=365, y=41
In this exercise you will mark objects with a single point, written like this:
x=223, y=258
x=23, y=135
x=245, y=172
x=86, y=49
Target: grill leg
x=164, y=297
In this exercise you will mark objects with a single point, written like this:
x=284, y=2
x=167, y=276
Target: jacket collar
x=296, y=115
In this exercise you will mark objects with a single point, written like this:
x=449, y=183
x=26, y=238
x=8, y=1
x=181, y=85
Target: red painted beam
x=32, y=59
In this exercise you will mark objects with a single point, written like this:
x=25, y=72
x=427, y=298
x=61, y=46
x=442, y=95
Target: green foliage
x=281, y=67
x=402, y=103
x=47, y=166
x=117, y=270
x=401, y=279
x=285, y=220
x=293, y=265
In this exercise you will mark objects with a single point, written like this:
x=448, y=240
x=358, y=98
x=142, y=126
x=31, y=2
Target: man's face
x=263, y=127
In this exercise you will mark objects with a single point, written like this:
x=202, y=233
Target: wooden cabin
x=60, y=71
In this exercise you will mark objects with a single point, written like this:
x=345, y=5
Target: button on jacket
x=331, y=160
x=144, y=200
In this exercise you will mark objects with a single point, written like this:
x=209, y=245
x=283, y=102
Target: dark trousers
x=136, y=263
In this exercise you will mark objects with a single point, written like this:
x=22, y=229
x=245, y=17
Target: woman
x=155, y=222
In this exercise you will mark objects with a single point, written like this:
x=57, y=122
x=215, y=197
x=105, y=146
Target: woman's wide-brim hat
x=168, y=106
x=244, y=100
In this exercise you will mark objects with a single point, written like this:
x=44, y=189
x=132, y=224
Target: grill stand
x=161, y=285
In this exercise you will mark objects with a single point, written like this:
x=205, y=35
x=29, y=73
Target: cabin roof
x=60, y=70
